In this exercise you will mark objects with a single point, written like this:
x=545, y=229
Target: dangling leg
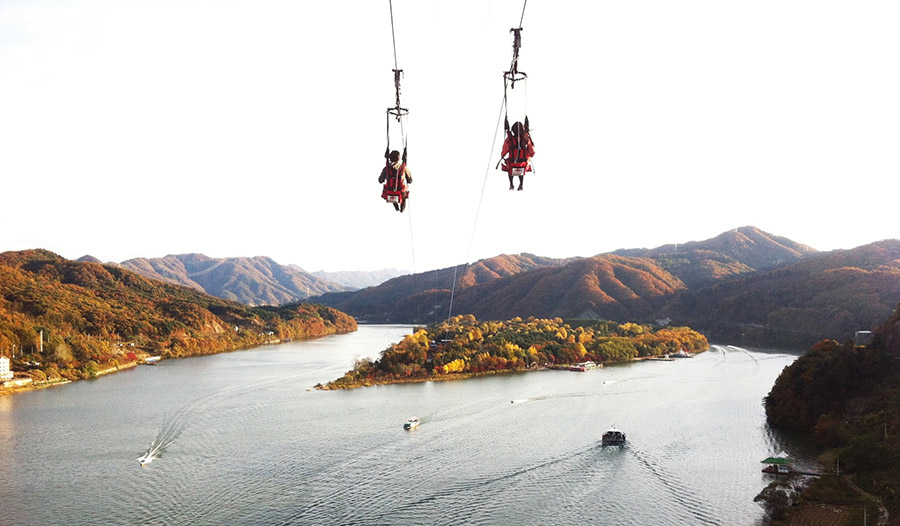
x=403, y=204
x=521, y=180
x=510, y=181
x=396, y=207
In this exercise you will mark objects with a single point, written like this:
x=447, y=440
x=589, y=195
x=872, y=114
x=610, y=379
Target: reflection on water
x=250, y=443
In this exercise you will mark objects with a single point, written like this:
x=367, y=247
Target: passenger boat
x=682, y=354
x=613, y=437
x=411, y=423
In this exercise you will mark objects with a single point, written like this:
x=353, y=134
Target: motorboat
x=613, y=437
x=145, y=459
x=682, y=354
x=411, y=423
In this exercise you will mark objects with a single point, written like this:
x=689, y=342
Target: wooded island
x=462, y=347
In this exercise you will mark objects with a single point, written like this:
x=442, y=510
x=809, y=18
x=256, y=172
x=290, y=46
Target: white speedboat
x=613, y=437
x=145, y=459
x=411, y=423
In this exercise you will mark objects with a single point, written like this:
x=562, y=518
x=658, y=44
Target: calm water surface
x=250, y=443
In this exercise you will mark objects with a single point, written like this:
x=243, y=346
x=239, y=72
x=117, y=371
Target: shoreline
x=423, y=379
x=31, y=386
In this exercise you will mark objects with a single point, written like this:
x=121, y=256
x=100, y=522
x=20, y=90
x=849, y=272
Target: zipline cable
x=394, y=38
x=400, y=112
x=503, y=106
x=487, y=171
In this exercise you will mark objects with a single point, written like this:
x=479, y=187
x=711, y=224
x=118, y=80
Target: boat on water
x=779, y=464
x=613, y=437
x=682, y=354
x=145, y=459
x=411, y=423
x=584, y=366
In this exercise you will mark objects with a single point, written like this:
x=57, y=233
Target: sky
x=257, y=128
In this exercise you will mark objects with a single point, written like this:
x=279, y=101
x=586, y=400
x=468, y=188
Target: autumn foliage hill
x=90, y=313
x=848, y=397
x=831, y=295
x=744, y=286
x=602, y=287
x=627, y=285
x=426, y=296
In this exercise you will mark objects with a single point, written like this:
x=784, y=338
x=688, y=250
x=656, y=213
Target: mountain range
x=745, y=285
x=249, y=280
x=734, y=253
x=358, y=279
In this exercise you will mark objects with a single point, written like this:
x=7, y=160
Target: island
x=463, y=347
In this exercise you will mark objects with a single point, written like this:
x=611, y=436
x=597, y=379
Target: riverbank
x=23, y=384
x=34, y=386
x=824, y=500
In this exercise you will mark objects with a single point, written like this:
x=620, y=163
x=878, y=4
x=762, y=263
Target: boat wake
x=171, y=429
x=552, y=397
x=175, y=423
x=687, y=500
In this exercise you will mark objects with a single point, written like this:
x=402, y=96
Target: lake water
x=251, y=444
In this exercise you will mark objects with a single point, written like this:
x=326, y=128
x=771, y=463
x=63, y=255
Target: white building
x=5, y=373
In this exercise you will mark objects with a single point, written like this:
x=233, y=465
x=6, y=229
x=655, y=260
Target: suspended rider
x=396, y=177
x=518, y=149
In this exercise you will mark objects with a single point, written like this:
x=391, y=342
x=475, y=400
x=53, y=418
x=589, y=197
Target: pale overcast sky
x=243, y=128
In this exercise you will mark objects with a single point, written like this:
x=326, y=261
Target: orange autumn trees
x=87, y=314
x=464, y=346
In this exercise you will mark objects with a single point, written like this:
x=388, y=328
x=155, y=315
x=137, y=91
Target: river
x=247, y=441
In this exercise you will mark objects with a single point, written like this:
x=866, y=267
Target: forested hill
x=425, y=297
x=251, y=281
x=829, y=295
x=88, y=311
x=848, y=398
x=734, y=253
x=633, y=284
x=605, y=287
x=760, y=289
